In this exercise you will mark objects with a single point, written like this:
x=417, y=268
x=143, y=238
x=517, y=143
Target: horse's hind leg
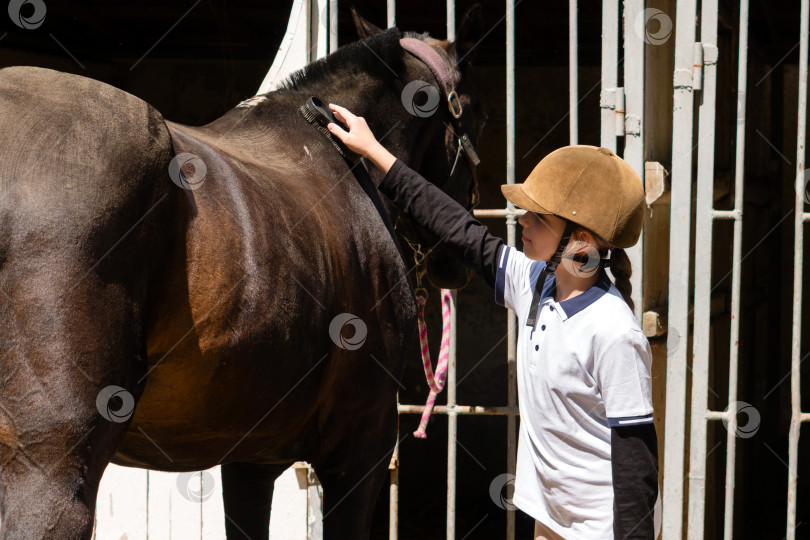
x=247, y=491
x=72, y=352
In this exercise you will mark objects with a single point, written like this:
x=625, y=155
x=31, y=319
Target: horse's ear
x=364, y=28
x=468, y=36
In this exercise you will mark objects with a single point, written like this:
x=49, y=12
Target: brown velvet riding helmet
x=590, y=186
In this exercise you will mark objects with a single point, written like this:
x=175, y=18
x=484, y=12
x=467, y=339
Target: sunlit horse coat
x=207, y=309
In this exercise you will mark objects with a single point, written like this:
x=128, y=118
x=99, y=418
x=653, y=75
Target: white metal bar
x=726, y=214
x=634, y=74
x=452, y=417
x=679, y=241
x=610, y=62
x=319, y=29
x=451, y=20
x=452, y=425
x=697, y=68
x=511, y=320
x=393, y=493
x=618, y=116
x=714, y=415
x=491, y=213
x=392, y=13
x=573, y=67
x=393, y=489
x=333, y=26
x=510, y=99
x=798, y=254
x=704, y=222
x=458, y=409
x=733, y=369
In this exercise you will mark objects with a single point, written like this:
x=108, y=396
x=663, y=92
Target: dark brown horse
x=176, y=321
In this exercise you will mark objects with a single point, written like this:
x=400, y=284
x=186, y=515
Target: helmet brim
x=518, y=197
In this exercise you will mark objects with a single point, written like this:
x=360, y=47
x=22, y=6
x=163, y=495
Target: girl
x=587, y=464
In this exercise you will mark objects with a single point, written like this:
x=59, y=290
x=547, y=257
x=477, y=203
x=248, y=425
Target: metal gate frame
x=696, y=70
x=800, y=218
x=622, y=115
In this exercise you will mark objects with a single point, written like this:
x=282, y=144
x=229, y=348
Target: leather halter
x=438, y=67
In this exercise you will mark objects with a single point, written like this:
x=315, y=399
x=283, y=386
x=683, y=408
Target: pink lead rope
x=435, y=382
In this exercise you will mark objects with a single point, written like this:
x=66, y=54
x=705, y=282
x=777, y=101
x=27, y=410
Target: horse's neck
x=260, y=117
x=371, y=99
x=387, y=118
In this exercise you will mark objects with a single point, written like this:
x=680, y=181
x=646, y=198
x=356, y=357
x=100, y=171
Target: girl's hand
x=359, y=138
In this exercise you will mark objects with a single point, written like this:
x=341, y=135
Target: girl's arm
x=429, y=206
x=621, y=369
x=634, y=458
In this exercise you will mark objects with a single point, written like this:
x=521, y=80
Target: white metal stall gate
x=695, y=79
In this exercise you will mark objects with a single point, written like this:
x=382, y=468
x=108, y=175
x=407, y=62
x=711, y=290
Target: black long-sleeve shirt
x=634, y=451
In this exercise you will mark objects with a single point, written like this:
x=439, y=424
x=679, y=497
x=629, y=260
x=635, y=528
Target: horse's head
x=442, y=127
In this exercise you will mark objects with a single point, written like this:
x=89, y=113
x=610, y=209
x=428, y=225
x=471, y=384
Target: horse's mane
x=377, y=56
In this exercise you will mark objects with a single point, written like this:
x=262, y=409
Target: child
x=587, y=464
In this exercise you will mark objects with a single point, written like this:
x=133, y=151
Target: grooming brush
x=319, y=115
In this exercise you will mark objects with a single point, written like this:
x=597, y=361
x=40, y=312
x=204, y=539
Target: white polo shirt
x=584, y=369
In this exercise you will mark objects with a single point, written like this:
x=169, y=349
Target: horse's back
x=74, y=145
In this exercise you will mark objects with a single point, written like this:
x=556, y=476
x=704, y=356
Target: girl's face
x=541, y=235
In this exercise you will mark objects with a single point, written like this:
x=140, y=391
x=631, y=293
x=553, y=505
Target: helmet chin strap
x=551, y=267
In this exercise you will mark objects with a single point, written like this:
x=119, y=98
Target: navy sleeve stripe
x=630, y=420
x=500, y=277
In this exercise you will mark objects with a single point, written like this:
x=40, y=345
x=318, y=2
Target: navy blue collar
x=574, y=305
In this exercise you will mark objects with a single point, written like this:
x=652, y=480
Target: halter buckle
x=454, y=104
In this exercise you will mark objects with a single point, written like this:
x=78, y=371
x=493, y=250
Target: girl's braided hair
x=620, y=265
